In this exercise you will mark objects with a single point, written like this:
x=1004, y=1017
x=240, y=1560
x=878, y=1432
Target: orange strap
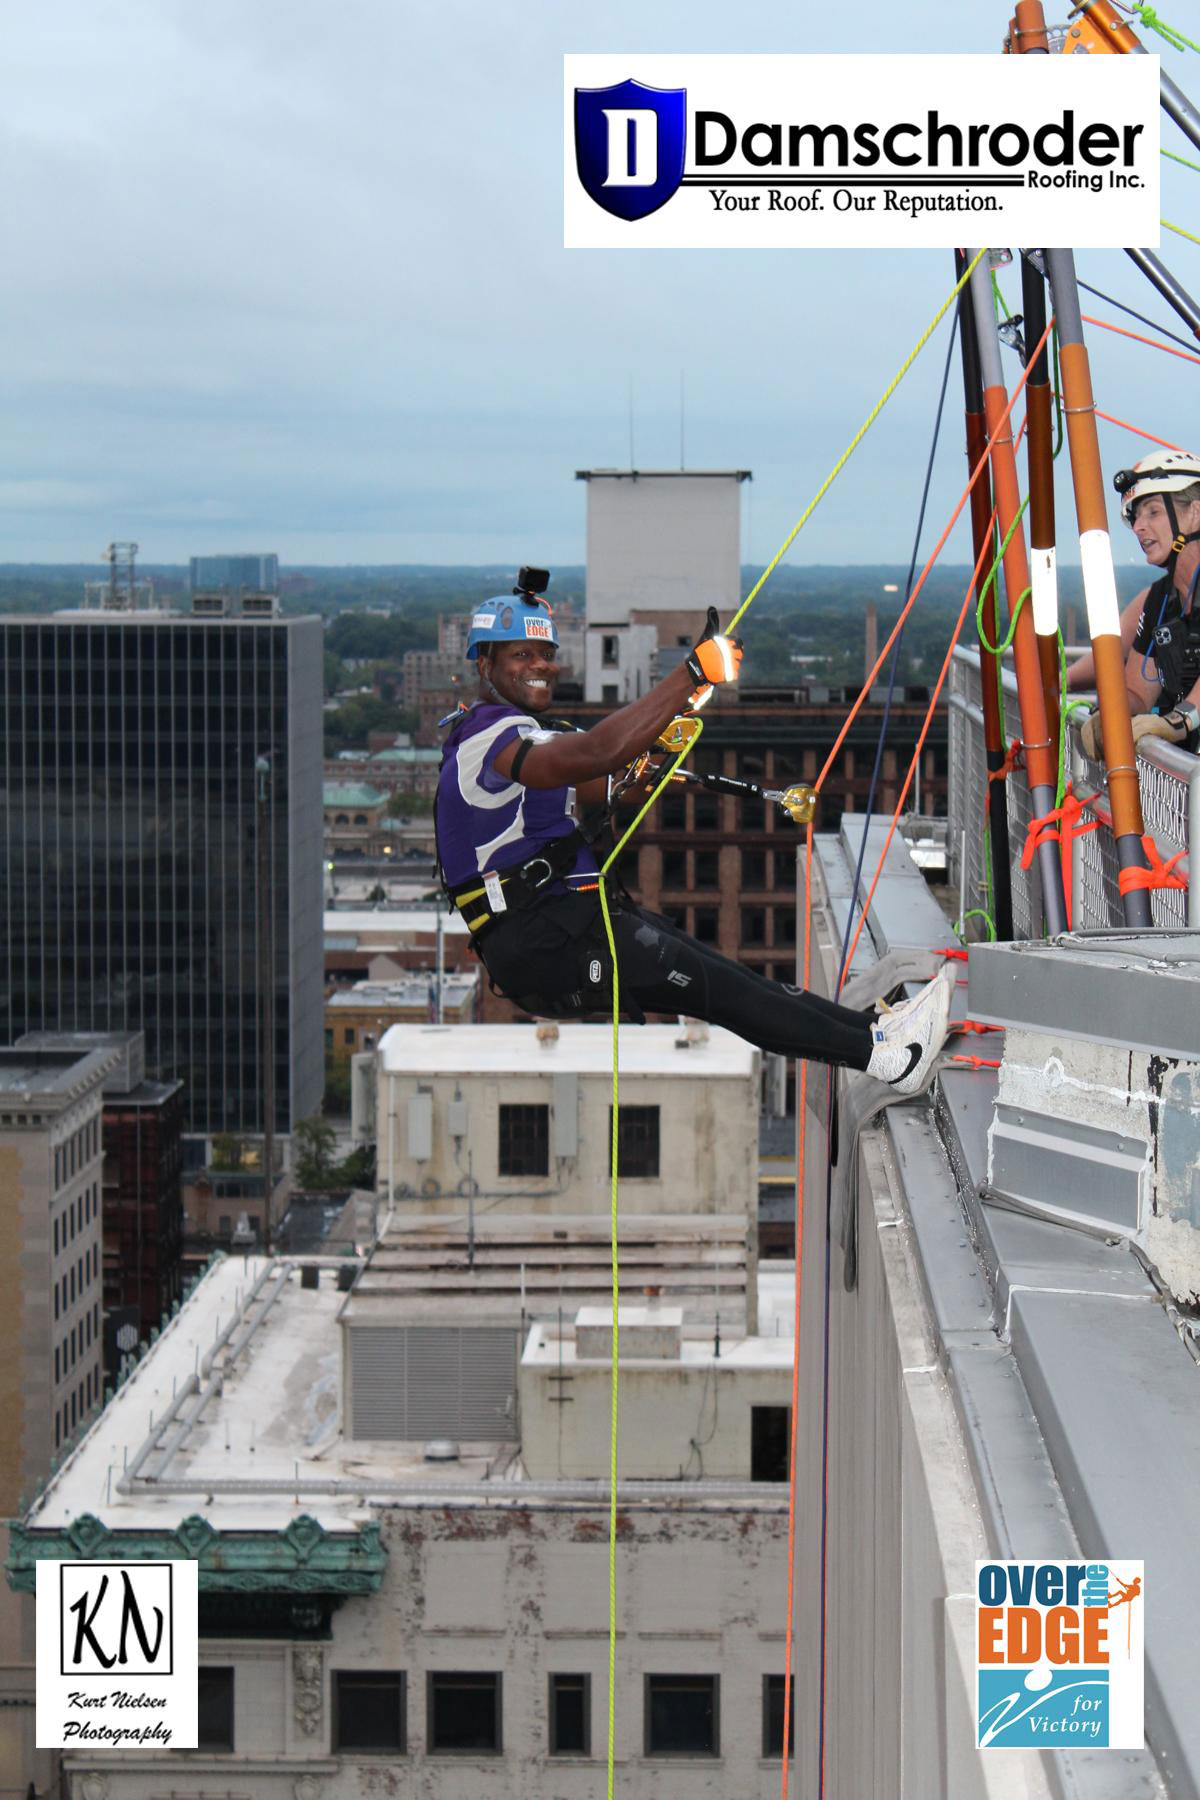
x=1013, y=759
x=952, y=955
x=1160, y=874
x=974, y=1062
x=969, y=1025
x=1045, y=830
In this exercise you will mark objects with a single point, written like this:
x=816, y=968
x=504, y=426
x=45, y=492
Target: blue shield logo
x=629, y=145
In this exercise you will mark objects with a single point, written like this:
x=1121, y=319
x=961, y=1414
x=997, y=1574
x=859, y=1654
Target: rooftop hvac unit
x=260, y=606
x=418, y=1383
x=210, y=606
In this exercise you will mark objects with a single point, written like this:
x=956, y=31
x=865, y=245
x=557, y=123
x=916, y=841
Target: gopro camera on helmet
x=532, y=581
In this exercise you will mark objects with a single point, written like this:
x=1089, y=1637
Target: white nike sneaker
x=908, y=1037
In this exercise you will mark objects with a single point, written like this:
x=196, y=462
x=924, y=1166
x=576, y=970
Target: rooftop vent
x=210, y=606
x=441, y=1450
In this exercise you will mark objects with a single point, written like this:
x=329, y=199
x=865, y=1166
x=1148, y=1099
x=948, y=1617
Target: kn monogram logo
x=117, y=1654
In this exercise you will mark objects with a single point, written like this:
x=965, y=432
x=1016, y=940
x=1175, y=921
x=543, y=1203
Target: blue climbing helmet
x=511, y=618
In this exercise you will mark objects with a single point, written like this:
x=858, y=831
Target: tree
x=315, y=1139
x=228, y=1152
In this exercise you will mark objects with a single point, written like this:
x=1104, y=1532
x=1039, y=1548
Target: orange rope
x=1138, y=432
x=1184, y=355
x=924, y=732
x=1012, y=756
x=802, y=1091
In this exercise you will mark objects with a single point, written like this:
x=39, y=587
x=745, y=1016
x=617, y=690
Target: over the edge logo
x=1059, y=1655
x=859, y=152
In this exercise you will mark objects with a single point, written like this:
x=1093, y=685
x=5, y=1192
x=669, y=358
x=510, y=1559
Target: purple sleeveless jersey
x=486, y=822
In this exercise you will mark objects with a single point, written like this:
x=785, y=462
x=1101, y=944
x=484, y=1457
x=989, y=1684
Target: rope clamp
x=800, y=803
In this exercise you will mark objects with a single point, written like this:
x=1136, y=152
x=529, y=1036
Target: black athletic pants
x=552, y=958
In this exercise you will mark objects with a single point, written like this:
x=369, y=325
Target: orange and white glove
x=714, y=658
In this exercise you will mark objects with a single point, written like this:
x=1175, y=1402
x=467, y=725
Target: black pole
x=1160, y=276
x=993, y=718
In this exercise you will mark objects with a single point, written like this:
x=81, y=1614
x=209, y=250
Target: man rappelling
x=521, y=868
x=1160, y=501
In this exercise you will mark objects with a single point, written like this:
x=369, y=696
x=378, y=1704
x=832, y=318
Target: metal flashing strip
x=1112, y=1389
x=1092, y=1174
x=1093, y=987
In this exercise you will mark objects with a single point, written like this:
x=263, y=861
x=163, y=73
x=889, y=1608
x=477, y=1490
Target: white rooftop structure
x=566, y=1050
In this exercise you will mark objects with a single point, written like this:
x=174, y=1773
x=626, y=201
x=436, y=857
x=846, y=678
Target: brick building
x=725, y=868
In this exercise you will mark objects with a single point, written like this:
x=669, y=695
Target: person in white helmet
x=1160, y=628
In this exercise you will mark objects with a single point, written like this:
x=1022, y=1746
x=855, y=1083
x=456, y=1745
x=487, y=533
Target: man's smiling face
x=525, y=674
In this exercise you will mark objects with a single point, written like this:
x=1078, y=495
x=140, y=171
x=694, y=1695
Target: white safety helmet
x=1165, y=472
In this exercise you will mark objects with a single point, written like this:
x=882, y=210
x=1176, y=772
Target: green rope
x=998, y=297
x=838, y=466
x=974, y=912
x=1183, y=160
x=1152, y=22
x=1180, y=232
x=997, y=650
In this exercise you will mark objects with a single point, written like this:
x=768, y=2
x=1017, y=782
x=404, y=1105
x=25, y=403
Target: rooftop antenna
x=631, y=462
x=682, y=465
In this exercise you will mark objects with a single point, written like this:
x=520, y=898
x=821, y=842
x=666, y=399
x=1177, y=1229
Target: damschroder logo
x=1057, y=1660
x=631, y=146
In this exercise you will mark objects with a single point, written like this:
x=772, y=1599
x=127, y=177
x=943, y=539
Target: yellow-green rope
x=1179, y=231
x=820, y=494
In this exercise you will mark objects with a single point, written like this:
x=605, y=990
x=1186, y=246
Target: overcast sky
x=290, y=277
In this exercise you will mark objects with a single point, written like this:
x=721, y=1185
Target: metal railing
x=1170, y=786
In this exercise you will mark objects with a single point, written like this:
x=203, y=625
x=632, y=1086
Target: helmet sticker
x=538, y=628
x=480, y=621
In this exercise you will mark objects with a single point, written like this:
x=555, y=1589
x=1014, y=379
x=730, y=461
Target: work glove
x=1090, y=737
x=714, y=658
x=1175, y=726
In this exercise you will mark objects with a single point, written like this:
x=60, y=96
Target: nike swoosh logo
x=914, y=1057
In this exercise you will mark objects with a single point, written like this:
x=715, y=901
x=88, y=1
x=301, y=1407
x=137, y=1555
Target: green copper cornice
x=303, y=1558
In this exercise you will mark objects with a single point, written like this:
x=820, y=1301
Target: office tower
x=148, y=871
x=50, y=1327
x=251, y=574
x=141, y=1192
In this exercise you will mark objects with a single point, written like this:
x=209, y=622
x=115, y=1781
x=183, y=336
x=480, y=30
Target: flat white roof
x=577, y=1050
x=274, y=1414
x=391, y=921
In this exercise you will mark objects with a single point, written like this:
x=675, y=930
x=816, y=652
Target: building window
x=570, y=1715
x=672, y=812
x=682, y=1715
x=754, y=868
x=348, y=1036
x=674, y=869
x=610, y=655
x=707, y=869
x=608, y=694
x=707, y=813
x=464, y=1714
x=754, y=925
x=214, y=1709
x=637, y=1142
x=770, y=1442
x=772, y=1707
x=368, y=1709
x=707, y=924
x=524, y=1140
